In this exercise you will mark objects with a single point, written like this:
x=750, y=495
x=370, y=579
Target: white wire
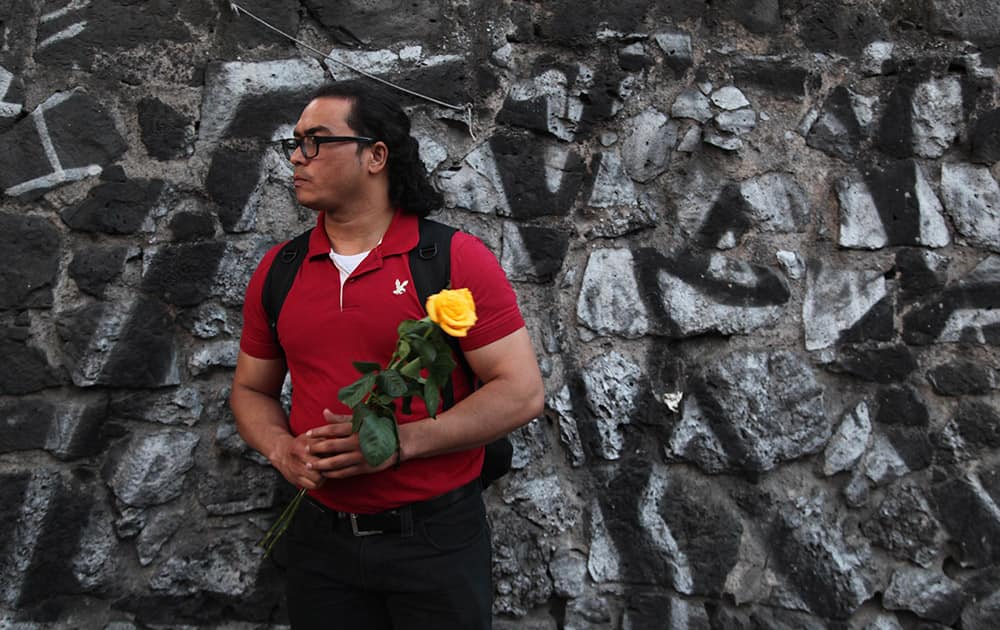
x=467, y=107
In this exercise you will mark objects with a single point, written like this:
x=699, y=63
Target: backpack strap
x=430, y=266
x=280, y=277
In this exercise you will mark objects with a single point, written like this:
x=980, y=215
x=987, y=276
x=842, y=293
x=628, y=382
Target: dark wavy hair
x=374, y=113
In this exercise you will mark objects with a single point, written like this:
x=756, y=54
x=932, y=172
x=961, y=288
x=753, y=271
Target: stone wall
x=757, y=243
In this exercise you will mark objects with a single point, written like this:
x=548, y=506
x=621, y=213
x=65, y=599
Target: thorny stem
x=280, y=525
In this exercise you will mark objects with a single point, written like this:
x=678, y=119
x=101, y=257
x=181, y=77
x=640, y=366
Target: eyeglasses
x=309, y=145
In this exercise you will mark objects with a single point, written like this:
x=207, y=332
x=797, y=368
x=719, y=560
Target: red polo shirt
x=323, y=329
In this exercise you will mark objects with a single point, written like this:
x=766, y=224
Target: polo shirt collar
x=402, y=236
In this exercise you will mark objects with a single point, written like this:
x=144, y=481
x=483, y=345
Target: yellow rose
x=453, y=310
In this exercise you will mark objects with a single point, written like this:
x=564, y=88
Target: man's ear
x=378, y=158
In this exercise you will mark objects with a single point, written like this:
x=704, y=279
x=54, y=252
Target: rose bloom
x=453, y=310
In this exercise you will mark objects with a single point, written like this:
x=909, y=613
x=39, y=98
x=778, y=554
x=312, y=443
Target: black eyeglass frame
x=288, y=145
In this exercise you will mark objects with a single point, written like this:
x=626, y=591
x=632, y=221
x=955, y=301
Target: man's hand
x=334, y=451
x=292, y=459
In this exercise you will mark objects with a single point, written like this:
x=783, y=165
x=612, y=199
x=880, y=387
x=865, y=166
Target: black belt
x=392, y=521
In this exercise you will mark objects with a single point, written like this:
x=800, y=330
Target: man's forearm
x=261, y=421
x=494, y=410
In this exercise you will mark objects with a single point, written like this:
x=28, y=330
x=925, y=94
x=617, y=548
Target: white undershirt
x=347, y=264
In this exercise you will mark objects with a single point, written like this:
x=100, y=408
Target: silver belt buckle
x=362, y=532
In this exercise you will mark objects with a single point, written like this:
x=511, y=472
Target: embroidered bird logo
x=400, y=287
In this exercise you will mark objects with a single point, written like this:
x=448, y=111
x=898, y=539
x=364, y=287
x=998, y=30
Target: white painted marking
x=54, y=179
x=75, y=5
x=43, y=136
x=69, y=32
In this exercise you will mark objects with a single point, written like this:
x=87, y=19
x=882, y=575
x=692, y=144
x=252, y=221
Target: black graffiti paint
x=520, y=160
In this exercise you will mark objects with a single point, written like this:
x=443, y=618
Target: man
x=356, y=164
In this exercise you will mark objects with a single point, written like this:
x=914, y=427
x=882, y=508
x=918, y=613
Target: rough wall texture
x=757, y=243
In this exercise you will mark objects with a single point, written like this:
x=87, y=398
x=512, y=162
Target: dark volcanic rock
x=93, y=267
x=104, y=27
x=114, y=207
x=986, y=138
x=138, y=348
x=26, y=424
x=921, y=273
x=231, y=180
x=838, y=28
x=25, y=367
x=891, y=364
x=962, y=378
x=192, y=226
x=167, y=133
x=379, y=22
x=30, y=246
x=978, y=423
x=183, y=274
x=779, y=77
x=968, y=513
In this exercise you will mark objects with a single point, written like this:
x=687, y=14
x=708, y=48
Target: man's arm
x=263, y=424
x=511, y=396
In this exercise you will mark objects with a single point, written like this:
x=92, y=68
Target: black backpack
x=430, y=265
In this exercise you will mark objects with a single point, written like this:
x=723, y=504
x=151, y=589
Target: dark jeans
x=435, y=573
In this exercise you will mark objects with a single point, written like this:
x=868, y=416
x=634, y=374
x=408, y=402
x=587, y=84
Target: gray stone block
x=649, y=143
x=821, y=564
x=732, y=419
x=972, y=198
x=609, y=301
x=930, y=594
x=520, y=565
x=152, y=468
x=905, y=526
x=836, y=299
x=542, y=501
x=691, y=103
x=612, y=383
x=849, y=441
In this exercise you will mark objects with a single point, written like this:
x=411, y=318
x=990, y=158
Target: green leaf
x=432, y=398
x=409, y=326
x=441, y=368
x=426, y=349
x=407, y=405
x=378, y=439
x=381, y=400
x=361, y=412
x=366, y=367
x=411, y=369
x=353, y=394
x=391, y=383
x=402, y=350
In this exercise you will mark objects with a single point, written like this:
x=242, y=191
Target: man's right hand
x=293, y=460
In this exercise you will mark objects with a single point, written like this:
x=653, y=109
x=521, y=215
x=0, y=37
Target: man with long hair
x=428, y=563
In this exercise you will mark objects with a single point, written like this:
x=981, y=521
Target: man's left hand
x=339, y=449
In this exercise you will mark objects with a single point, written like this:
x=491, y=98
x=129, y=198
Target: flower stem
x=280, y=525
